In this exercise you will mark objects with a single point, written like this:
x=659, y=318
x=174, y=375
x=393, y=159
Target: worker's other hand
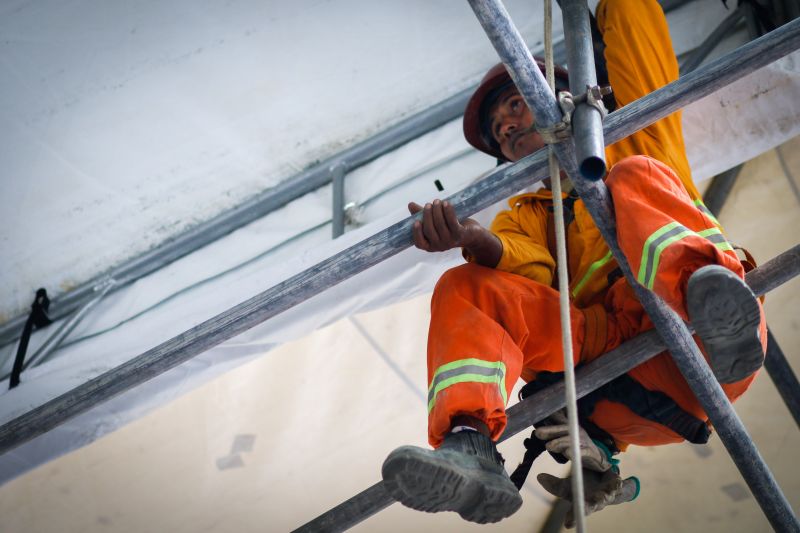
x=556, y=437
x=600, y=489
x=440, y=228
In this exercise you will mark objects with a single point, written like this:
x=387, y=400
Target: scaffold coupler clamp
x=594, y=97
x=560, y=131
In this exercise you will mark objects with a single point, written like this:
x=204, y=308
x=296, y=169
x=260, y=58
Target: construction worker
x=496, y=318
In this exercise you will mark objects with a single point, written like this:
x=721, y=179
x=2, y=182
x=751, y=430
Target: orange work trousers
x=489, y=327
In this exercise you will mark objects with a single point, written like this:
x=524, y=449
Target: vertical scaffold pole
x=337, y=183
x=783, y=377
x=512, y=51
x=587, y=122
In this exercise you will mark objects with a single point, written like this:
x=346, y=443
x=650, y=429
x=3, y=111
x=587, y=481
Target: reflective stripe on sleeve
x=592, y=269
x=467, y=371
x=662, y=238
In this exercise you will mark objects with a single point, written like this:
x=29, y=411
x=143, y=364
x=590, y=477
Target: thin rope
x=563, y=292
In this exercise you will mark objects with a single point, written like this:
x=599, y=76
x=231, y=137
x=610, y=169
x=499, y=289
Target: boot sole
x=438, y=481
x=726, y=316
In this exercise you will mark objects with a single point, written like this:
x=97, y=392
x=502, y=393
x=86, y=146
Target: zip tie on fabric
x=571, y=400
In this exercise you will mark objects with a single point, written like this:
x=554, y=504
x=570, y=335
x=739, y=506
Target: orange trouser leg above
x=486, y=326
x=663, y=233
x=666, y=237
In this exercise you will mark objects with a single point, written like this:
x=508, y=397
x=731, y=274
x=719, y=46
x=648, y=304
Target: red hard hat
x=496, y=78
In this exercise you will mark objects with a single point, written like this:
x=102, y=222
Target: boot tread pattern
x=726, y=316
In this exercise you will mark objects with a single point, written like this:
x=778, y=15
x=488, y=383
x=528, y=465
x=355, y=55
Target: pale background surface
x=128, y=123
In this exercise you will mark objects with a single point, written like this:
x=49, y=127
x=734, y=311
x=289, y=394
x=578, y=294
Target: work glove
x=599, y=490
x=594, y=455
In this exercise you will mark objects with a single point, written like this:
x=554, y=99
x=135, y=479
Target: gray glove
x=556, y=437
x=599, y=490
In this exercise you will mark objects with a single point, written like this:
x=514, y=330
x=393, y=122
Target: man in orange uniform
x=496, y=319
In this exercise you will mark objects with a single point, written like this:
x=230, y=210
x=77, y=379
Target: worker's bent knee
x=461, y=278
x=631, y=167
x=636, y=174
x=478, y=284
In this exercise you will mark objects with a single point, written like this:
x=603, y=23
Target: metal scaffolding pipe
x=259, y=206
x=338, y=173
x=518, y=60
x=587, y=120
x=539, y=406
x=711, y=42
x=501, y=183
x=511, y=49
x=783, y=377
x=720, y=188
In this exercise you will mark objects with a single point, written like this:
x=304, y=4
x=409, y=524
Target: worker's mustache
x=518, y=134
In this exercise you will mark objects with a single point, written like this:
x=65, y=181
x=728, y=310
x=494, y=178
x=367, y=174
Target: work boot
x=464, y=475
x=726, y=316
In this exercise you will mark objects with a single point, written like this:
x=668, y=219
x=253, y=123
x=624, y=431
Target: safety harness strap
x=652, y=405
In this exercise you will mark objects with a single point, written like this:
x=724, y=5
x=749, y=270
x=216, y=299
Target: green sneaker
x=726, y=316
x=464, y=475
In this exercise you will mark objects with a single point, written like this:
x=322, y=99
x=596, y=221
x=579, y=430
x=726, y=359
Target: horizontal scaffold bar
x=535, y=408
x=500, y=184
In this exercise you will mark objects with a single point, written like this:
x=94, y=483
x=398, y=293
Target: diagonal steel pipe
x=512, y=51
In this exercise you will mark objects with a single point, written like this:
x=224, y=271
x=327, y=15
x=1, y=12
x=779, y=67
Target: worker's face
x=510, y=123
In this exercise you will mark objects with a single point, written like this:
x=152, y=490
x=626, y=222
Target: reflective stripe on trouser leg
x=482, y=317
x=666, y=236
x=594, y=267
x=707, y=212
x=467, y=371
